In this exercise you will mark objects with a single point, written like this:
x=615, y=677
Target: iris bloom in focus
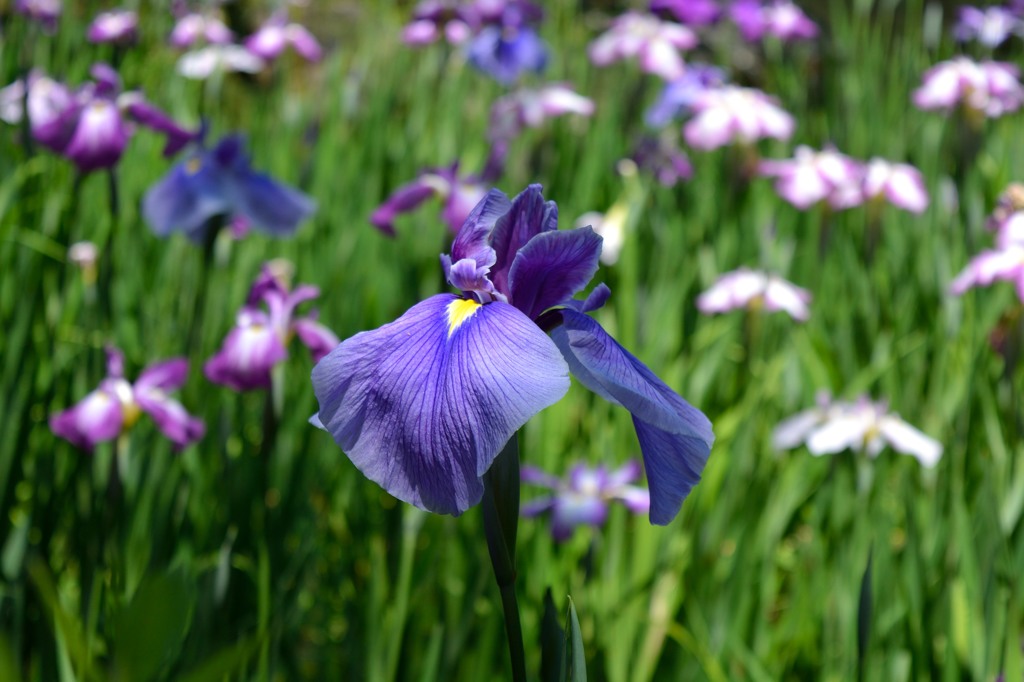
x=755, y=290
x=120, y=27
x=261, y=336
x=985, y=89
x=656, y=43
x=115, y=406
x=277, y=33
x=813, y=176
x=423, y=405
x=88, y=125
x=221, y=182
x=779, y=18
x=584, y=496
x=865, y=426
x=529, y=108
x=732, y=114
x=458, y=194
x=990, y=26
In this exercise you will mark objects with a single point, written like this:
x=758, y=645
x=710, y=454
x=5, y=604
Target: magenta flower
x=986, y=89
x=45, y=12
x=89, y=126
x=116, y=405
x=48, y=100
x=656, y=43
x=583, y=497
x=812, y=176
x=991, y=26
x=456, y=21
x=1005, y=263
x=780, y=18
x=458, y=194
x=755, y=290
x=276, y=34
x=898, y=183
x=731, y=114
x=689, y=12
x=120, y=27
x=529, y=108
x=260, y=337
x=193, y=28
x=865, y=426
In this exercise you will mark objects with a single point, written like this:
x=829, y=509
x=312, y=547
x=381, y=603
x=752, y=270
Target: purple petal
x=570, y=511
x=675, y=438
x=186, y=198
x=304, y=43
x=534, y=476
x=272, y=207
x=472, y=239
x=526, y=217
x=99, y=138
x=168, y=375
x=179, y=426
x=536, y=507
x=405, y=198
x=317, y=338
x=249, y=352
x=98, y=417
x=551, y=268
x=423, y=405
x=151, y=117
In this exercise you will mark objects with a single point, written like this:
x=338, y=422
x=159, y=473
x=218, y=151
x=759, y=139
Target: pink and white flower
x=530, y=107
x=755, y=290
x=781, y=19
x=202, y=63
x=900, y=184
x=731, y=114
x=813, y=176
x=118, y=26
x=656, y=43
x=192, y=28
x=277, y=33
x=987, y=88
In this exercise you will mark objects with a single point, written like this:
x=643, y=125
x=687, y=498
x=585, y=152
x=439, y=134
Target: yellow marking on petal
x=193, y=165
x=459, y=311
x=130, y=414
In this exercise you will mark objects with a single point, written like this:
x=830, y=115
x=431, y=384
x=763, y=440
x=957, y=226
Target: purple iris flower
x=88, y=125
x=276, y=34
x=458, y=193
x=260, y=337
x=119, y=27
x=529, y=108
x=505, y=53
x=45, y=12
x=678, y=97
x=221, y=182
x=661, y=157
x=779, y=18
x=423, y=405
x=583, y=497
x=433, y=18
x=990, y=26
x=192, y=27
x=116, y=405
x=689, y=12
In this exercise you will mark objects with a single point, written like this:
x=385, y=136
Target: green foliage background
x=263, y=556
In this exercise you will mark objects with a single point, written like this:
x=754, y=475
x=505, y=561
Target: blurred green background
x=199, y=572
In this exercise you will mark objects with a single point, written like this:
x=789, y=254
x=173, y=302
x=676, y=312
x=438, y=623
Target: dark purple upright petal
x=186, y=198
x=675, y=437
x=472, y=239
x=528, y=216
x=405, y=198
x=271, y=206
x=423, y=405
x=151, y=117
x=551, y=268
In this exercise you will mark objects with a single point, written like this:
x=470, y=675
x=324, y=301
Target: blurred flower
x=661, y=157
x=689, y=12
x=677, y=97
x=611, y=227
x=431, y=19
x=1007, y=220
x=655, y=42
x=85, y=255
x=116, y=405
x=899, y=183
x=190, y=28
x=459, y=194
x=987, y=88
x=863, y=425
x=260, y=337
x=120, y=27
x=88, y=125
x=423, y=405
x=583, y=497
x=812, y=176
x=202, y=63
x=505, y=53
x=276, y=33
x=755, y=290
x=529, y=108
x=1005, y=263
x=780, y=18
x=990, y=26
x=221, y=182
x=45, y=12
x=731, y=114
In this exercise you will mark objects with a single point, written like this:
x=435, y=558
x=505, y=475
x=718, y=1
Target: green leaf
x=149, y=631
x=576, y=664
x=223, y=663
x=552, y=642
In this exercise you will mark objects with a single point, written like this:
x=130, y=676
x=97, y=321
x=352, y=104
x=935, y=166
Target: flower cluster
x=755, y=19
x=423, y=405
x=90, y=125
x=583, y=497
x=116, y=405
x=263, y=329
x=865, y=426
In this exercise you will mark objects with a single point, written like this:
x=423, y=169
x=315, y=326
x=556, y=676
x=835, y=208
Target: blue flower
x=221, y=182
x=505, y=52
x=423, y=405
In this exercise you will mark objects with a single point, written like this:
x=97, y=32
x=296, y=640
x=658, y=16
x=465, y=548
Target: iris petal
x=675, y=437
x=422, y=407
x=528, y=216
x=271, y=206
x=191, y=194
x=552, y=267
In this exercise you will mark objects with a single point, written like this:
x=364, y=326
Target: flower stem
x=501, y=521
